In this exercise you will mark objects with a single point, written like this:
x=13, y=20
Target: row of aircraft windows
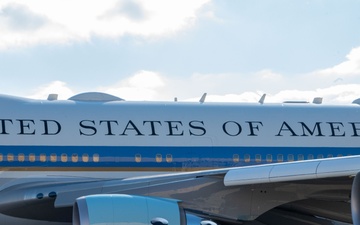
x=158, y=158
x=281, y=157
x=52, y=158
x=247, y=157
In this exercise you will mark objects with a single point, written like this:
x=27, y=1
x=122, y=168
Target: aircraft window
x=74, y=158
x=85, y=158
x=330, y=156
x=10, y=157
x=310, y=156
x=290, y=158
x=339, y=155
x=247, y=158
x=32, y=157
x=269, y=158
x=158, y=158
x=137, y=158
x=258, y=158
x=42, y=158
x=169, y=158
x=236, y=158
x=53, y=157
x=64, y=157
x=21, y=157
x=320, y=156
x=280, y=158
x=300, y=157
x=1, y=157
x=96, y=158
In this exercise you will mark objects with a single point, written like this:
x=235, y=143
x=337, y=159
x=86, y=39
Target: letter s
x=197, y=127
x=91, y=129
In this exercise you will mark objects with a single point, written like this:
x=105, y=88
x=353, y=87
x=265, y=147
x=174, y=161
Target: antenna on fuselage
x=202, y=99
x=52, y=97
x=317, y=100
x=262, y=99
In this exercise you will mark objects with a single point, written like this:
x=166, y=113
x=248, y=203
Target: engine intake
x=126, y=209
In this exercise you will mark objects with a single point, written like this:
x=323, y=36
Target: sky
x=158, y=50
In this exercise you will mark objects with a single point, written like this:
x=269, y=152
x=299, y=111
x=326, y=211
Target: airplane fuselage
x=169, y=136
x=53, y=152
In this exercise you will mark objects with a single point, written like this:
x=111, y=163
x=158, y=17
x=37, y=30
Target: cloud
x=268, y=75
x=73, y=21
x=145, y=79
x=144, y=85
x=345, y=93
x=55, y=87
x=350, y=67
x=130, y=9
x=19, y=17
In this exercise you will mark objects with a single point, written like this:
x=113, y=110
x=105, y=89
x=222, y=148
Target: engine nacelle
x=355, y=200
x=127, y=209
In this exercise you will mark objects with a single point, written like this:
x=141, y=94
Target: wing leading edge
x=294, y=171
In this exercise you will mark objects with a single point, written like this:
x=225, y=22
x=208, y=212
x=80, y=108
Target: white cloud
x=55, y=87
x=144, y=85
x=268, y=75
x=79, y=20
x=350, y=67
x=145, y=79
x=19, y=17
x=345, y=93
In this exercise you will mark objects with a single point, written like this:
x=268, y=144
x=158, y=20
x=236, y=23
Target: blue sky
x=158, y=50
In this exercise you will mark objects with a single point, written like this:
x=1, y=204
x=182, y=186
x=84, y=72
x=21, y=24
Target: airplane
x=98, y=159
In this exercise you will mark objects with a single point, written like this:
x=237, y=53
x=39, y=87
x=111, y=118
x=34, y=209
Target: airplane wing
x=309, y=192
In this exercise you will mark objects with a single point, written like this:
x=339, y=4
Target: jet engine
x=127, y=209
x=355, y=200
